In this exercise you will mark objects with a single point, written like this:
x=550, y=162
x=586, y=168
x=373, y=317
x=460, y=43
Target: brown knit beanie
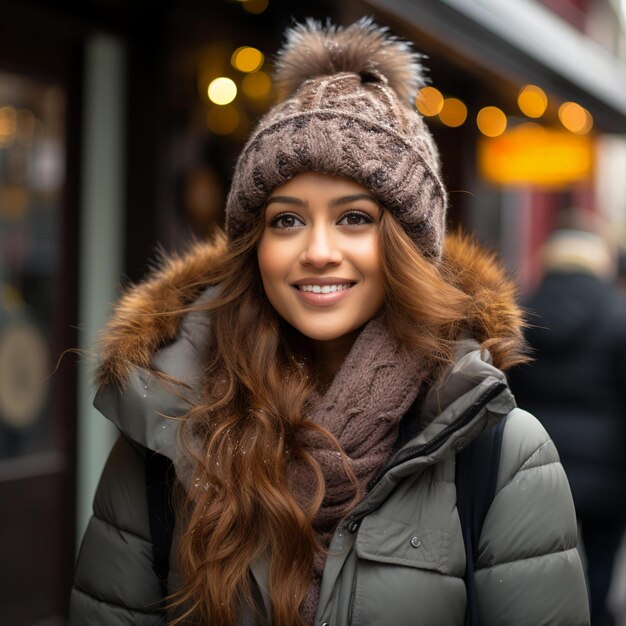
x=348, y=110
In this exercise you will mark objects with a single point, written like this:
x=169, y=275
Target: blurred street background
x=120, y=122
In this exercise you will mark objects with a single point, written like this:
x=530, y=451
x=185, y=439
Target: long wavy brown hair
x=260, y=373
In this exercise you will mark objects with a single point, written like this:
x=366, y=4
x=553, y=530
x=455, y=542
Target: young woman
x=312, y=377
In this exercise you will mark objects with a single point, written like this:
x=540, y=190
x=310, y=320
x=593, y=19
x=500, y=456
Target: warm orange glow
x=429, y=101
x=575, y=118
x=532, y=101
x=453, y=112
x=222, y=120
x=222, y=90
x=256, y=85
x=533, y=155
x=247, y=59
x=491, y=121
x=255, y=6
x=8, y=125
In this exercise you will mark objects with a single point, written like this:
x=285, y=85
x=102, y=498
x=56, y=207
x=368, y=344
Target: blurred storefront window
x=37, y=314
x=32, y=162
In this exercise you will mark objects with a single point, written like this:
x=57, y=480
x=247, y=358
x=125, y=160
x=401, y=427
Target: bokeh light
x=247, y=59
x=222, y=90
x=222, y=120
x=429, y=101
x=453, y=113
x=575, y=118
x=532, y=101
x=256, y=85
x=491, y=121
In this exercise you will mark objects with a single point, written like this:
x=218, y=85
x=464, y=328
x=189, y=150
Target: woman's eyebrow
x=287, y=200
x=353, y=198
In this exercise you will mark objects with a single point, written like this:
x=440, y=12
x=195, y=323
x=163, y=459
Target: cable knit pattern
x=347, y=121
x=374, y=388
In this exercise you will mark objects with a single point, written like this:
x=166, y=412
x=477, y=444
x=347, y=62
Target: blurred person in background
x=203, y=201
x=576, y=386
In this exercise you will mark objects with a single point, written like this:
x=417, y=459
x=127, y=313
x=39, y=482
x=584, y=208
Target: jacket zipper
x=352, y=594
x=437, y=441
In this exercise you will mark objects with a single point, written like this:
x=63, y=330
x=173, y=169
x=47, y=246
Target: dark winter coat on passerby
x=399, y=557
x=576, y=385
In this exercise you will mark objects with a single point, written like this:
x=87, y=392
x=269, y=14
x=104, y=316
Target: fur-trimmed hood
x=149, y=341
x=143, y=320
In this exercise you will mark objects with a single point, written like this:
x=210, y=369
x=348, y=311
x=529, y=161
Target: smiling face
x=319, y=255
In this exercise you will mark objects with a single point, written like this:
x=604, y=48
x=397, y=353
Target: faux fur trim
x=148, y=315
x=312, y=49
x=495, y=319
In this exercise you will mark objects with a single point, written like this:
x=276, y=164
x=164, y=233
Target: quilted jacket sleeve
x=114, y=583
x=529, y=571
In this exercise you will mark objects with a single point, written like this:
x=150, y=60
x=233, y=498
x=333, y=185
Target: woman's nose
x=321, y=248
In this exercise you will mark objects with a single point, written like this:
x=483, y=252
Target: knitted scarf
x=362, y=408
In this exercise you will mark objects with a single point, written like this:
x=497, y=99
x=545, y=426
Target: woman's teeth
x=324, y=288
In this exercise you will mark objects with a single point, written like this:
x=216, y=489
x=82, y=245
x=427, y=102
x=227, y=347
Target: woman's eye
x=356, y=218
x=286, y=220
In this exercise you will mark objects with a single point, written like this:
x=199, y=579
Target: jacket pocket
x=389, y=541
x=402, y=576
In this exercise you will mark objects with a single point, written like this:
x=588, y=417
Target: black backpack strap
x=476, y=477
x=159, y=480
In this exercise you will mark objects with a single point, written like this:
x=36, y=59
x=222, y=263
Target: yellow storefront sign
x=533, y=155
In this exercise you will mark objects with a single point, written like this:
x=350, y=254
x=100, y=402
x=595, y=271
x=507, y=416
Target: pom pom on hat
x=364, y=48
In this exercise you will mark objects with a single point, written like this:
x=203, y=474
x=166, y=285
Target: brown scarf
x=362, y=408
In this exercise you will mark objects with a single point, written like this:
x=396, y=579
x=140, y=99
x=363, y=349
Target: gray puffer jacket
x=399, y=557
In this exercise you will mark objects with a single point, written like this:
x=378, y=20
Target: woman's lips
x=323, y=299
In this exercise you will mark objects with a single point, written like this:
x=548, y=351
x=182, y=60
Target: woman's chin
x=328, y=334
